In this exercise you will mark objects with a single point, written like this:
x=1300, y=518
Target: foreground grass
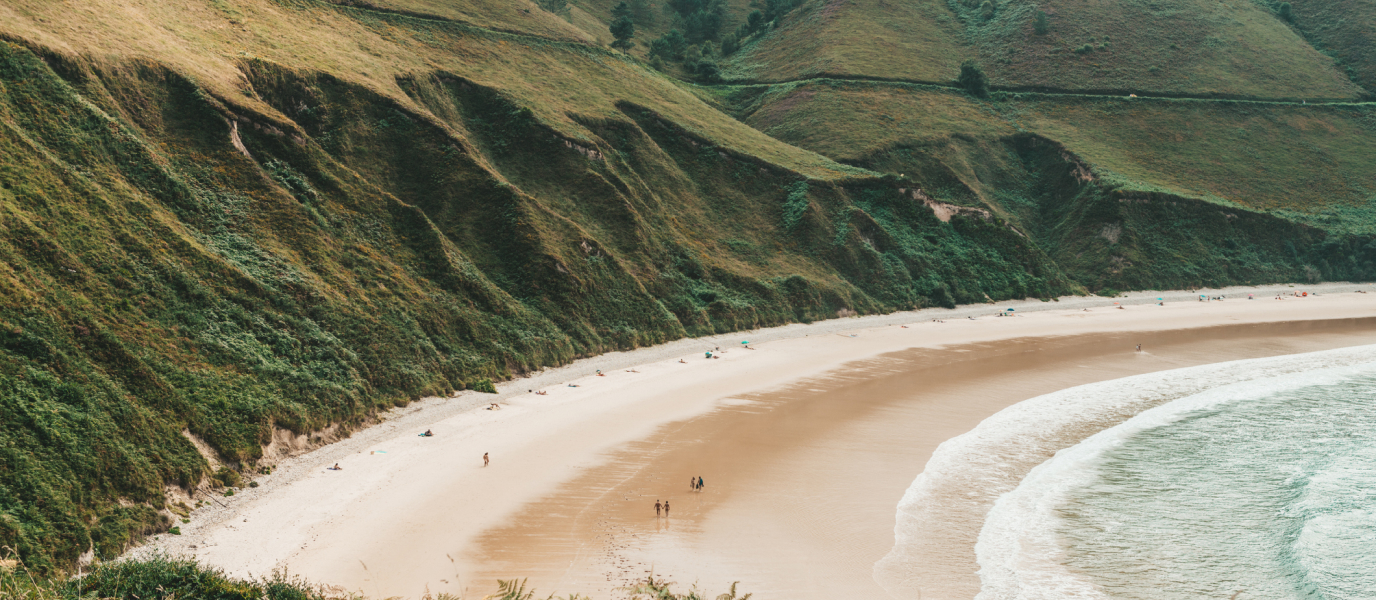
x=167, y=578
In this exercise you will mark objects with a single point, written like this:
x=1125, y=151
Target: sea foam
x=940, y=518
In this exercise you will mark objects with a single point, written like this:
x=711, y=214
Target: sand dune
x=806, y=444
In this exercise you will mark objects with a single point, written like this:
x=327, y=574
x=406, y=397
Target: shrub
x=973, y=80
x=227, y=477
x=730, y=44
x=986, y=10
x=795, y=205
x=1285, y=12
x=484, y=385
x=1040, y=23
x=1085, y=49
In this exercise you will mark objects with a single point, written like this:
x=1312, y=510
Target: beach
x=806, y=442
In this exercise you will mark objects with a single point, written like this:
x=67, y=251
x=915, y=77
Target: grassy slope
x=899, y=39
x=1318, y=161
x=1191, y=47
x=1169, y=161
x=293, y=214
x=1229, y=47
x=521, y=16
x=372, y=50
x=1346, y=29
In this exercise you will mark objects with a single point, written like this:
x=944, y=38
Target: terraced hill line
x=1042, y=92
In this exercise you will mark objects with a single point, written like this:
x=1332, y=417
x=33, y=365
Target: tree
x=621, y=11
x=1285, y=12
x=623, y=30
x=986, y=10
x=1040, y=23
x=669, y=46
x=972, y=80
x=641, y=12
x=755, y=21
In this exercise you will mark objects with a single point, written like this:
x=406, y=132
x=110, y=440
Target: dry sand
x=806, y=444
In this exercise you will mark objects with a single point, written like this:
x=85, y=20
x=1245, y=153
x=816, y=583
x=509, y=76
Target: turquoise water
x=1252, y=479
x=1265, y=495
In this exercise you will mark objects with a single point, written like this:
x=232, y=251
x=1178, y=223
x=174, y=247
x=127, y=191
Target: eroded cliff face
x=1107, y=236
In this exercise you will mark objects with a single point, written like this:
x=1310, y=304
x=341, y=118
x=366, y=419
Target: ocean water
x=1259, y=485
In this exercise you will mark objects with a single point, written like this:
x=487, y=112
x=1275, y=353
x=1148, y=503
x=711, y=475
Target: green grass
x=1317, y=163
x=1303, y=159
x=1232, y=48
x=522, y=16
x=906, y=39
x=1196, y=47
x=1343, y=29
x=1064, y=169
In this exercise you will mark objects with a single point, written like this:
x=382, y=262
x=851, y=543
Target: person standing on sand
x=666, y=509
x=700, y=484
x=692, y=483
x=657, y=508
x=1139, y=347
x=484, y=459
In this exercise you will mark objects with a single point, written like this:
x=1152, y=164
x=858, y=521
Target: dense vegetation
x=224, y=220
x=161, y=578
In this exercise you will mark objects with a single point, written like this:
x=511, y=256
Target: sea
x=1252, y=479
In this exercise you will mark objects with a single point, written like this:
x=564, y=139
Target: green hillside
x=224, y=218
x=908, y=39
x=1272, y=171
x=296, y=214
x=1234, y=48
x=1343, y=29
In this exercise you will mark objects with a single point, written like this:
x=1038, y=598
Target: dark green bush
x=973, y=80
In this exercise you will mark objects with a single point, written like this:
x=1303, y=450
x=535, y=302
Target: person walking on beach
x=657, y=508
x=484, y=459
x=692, y=483
x=1139, y=347
x=700, y=484
x=666, y=509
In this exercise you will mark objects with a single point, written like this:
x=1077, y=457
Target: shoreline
x=298, y=518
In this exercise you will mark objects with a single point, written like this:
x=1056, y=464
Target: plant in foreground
x=165, y=578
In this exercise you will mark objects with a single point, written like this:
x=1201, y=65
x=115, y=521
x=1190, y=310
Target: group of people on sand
x=662, y=508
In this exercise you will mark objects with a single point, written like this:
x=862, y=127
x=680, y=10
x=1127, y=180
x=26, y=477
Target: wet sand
x=806, y=445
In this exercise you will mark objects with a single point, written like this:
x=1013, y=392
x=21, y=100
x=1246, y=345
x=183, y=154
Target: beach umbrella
x=1010, y=310
x=746, y=342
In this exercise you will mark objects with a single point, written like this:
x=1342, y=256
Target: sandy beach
x=806, y=442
